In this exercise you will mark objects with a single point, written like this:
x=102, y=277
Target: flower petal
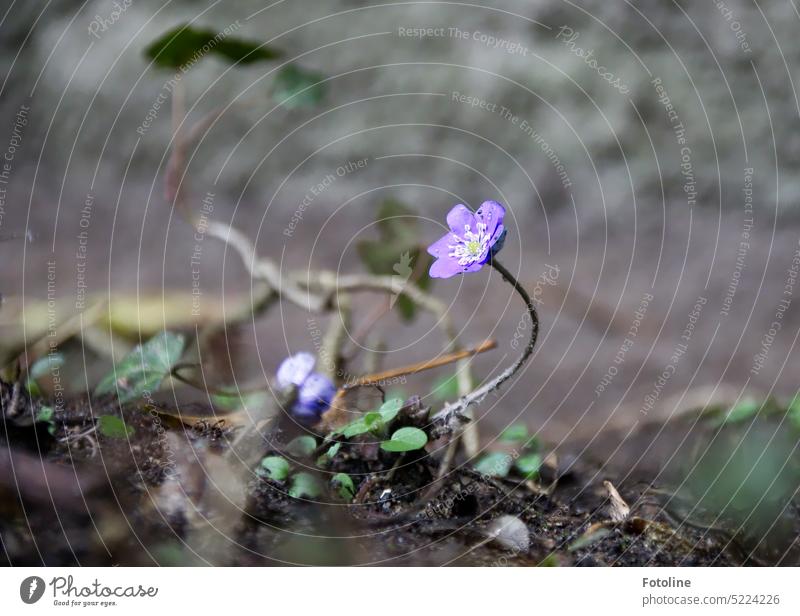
x=314, y=397
x=294, y=370
x=491, y=213
x=497, y=241
x=474, y=267
x=446, y=267
x=459, y=217
x=441, y=247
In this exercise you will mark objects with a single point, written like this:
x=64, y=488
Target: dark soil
x=178, y=494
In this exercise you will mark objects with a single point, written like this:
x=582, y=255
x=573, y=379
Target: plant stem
x=455, y=411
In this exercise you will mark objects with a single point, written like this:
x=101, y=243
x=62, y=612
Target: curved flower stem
x=455, y=411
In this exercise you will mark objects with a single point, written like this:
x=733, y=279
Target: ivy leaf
x=144, y=368
x=113, y=427
x=295, y=87
x=406, y=439
x=302, y=446
x=185, y=44
x=528, y=465
x=304, y=485
x=494, y=464
x=343, y=484
x=274, y=467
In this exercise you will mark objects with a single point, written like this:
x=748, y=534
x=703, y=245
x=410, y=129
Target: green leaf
x=515, y=434
x=406, y=439
x=295, y=87
x=528, y=465
x=344, y=486
x=389, y=409
x=302, y=446
x=494, y=464
x=304, y=485
x=355, y=428
x=41, y=368
x=398, y=252
x=184, y=45
x=745, y=409
x=333, y=450
x=374, y=421
x=46, y=415
x=794, y=412
x=446, y=387
x=239, y=402
x=113, y=427
x=144, y=368
x=274, y=467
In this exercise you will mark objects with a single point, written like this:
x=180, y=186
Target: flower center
x=470, y=247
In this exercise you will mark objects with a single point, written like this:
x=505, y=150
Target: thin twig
x=455, y=412
x=442, y=360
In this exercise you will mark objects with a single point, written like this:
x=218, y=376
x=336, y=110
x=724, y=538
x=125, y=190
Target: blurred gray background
x=616, y=217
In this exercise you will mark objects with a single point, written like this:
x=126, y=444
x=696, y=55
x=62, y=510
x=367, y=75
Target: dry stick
x=443, y=360
x=330, y=352
x=376, y=379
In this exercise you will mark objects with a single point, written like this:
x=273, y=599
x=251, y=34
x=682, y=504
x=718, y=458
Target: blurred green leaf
x=144, y=368
x=746, y=409
x=183, y=44
x=747, y=475
x=528, y=465
x=588, y=538
x=446, y=387
x=46, y=414
x=515, y=433
x=275, y=468
x=296, y=87
x=398, y=252
x=344, y=486
x=405, y=439
x=333, y=450
x=304, y=485
x=113, y=427
x=238, y=402
x=794, y=412
x=494, y=464
x=302, y=446
x=42, y=367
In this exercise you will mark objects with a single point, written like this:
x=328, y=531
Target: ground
x=169, y=493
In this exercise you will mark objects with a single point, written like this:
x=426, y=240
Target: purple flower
x=472, y=240
x=314, y=391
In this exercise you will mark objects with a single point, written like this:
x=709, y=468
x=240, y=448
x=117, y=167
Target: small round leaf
x=406, y=439
x=275, y=468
